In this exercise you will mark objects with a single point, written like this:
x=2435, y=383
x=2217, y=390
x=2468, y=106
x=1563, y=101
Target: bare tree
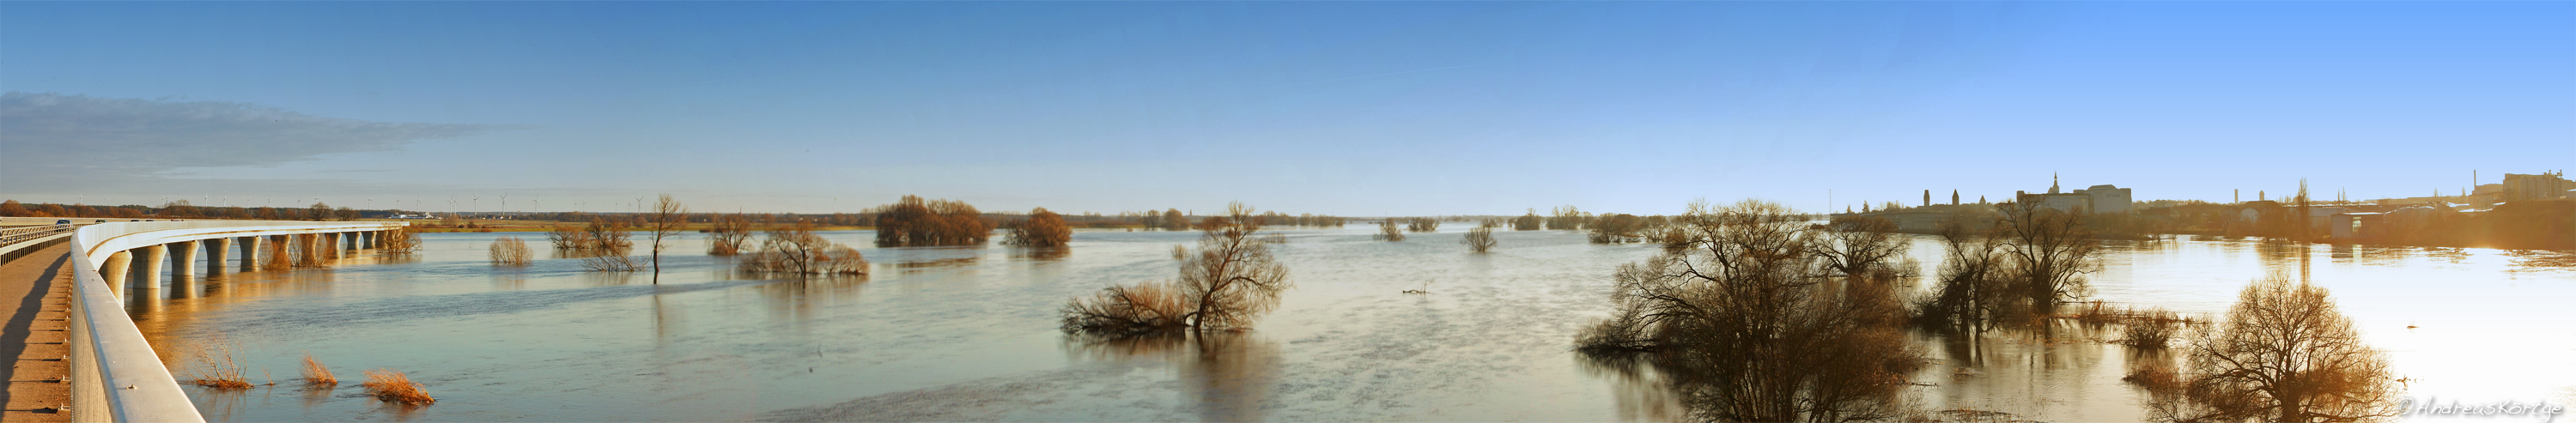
x=1528, y=222
x=795, y=249
x=2283, y=354
x=568, y=237
x=1480, y=239
x=1229, y=281
x=607, y=246
x=1974, y=277
x=728, y=234
x=665, y=221
x=1387, y=230
x=2051, y=250
x=399, y=241
x=1856, y=245
x=1748, y=326
x=509, y=251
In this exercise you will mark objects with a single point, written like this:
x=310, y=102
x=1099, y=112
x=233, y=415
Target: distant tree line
x=182, y=210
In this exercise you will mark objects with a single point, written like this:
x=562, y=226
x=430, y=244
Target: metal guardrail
x=16, y=235
x=116, y=377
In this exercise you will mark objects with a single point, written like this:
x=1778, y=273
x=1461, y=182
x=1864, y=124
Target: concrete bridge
x=114, y=374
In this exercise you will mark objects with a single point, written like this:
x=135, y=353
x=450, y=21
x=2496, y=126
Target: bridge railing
x=116, y=377
x=16, y=235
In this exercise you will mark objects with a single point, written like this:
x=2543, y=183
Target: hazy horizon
x=1356, y=109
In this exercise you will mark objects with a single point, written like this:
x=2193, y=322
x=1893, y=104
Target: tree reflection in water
x=1227, y=374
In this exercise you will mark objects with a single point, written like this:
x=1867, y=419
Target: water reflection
x=791, y=302
x=1041, y=253
x=935, y=264
x=1639, y=393
x=2542, y=260
x=1228, y=375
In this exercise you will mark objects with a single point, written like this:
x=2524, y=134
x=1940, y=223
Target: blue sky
x=1344, y=108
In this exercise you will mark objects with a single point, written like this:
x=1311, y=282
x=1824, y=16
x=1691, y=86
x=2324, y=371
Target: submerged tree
x=1387, y=230
x=1856, y=245
x=2283, y=354
x=1748, y=323
x=1972, y=291
x=916, y=222
x=1528, y=222
x=398, y=242
x=509, y=251
x=1229, y=281
x=604, y=240
x=1480, y=239
x=665, y=222
x=2051, y=251
x=1421, y=224
x=794, y=249
x=1042, y=229
x=728, y=234
x=1616, y=228
x=1568, y=218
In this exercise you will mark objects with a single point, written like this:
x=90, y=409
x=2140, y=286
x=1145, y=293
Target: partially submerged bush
x=211, y=365
x=316, y=374
x=2152, y=329
x=1480, y=239
x=729, y=235
x=2284, y=353
x=1386, y=230
x=398, y=242
x=1616, y=228
x=605, y=243
x=1042, y=229
x=568, y=238
x=1128, y=310
x=1421, y=224
x=393, y=386
x=509, y=251
x=1229, y=281
x=915, y=222
x=794, y=249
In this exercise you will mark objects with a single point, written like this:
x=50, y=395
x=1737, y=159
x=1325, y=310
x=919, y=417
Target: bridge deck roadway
x=35, y=298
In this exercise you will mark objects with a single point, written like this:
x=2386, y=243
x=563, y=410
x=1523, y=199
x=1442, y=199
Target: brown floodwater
x=970, y=333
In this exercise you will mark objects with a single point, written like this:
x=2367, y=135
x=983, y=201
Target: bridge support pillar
x=279, y=251
x=183, y=264
x=328, y=244
x=215, y=251
x=153, y=256
x=114, y=271
x=249, y=253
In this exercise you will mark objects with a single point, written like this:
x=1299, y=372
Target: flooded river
x=970, y=333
